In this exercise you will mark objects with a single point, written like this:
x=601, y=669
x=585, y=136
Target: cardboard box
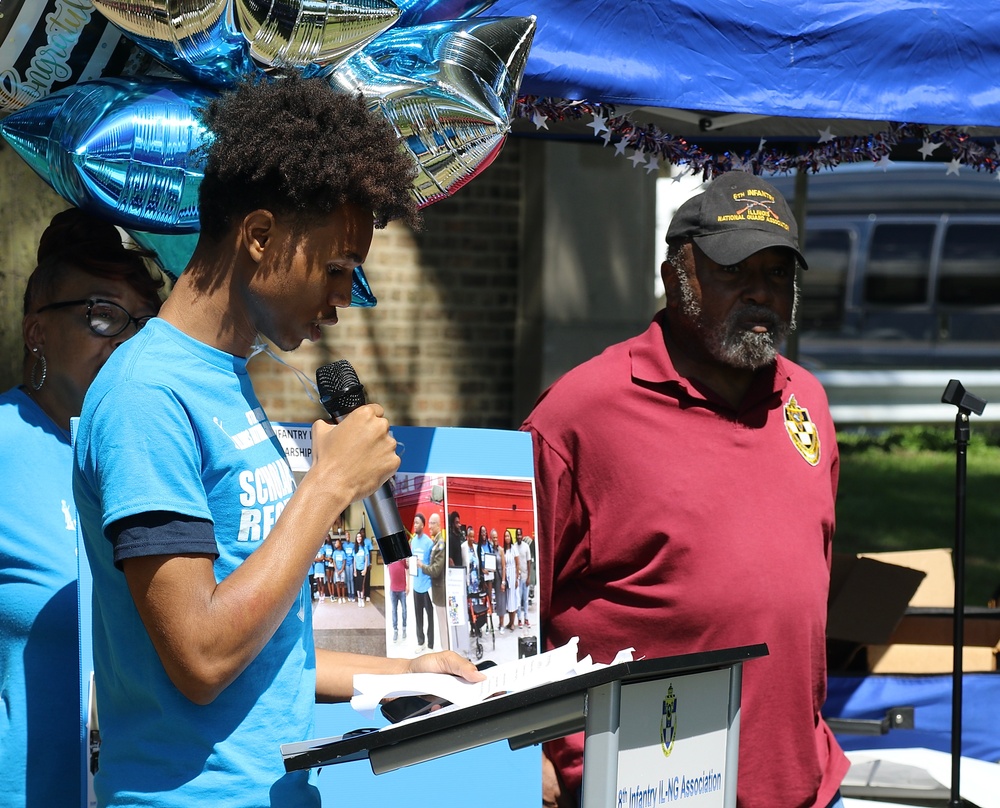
x=868, y=598
x=908, y=659
x=922, y=642
x=938, y=587
x=893, y=613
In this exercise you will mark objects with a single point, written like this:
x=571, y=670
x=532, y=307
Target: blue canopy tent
x=900, y=60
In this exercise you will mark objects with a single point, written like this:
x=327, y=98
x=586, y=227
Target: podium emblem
x=802, y=430
x=668, y=722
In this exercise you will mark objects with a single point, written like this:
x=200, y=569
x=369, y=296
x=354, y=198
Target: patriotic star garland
x=651, y=146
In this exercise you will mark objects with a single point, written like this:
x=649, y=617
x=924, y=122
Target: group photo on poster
x=470, y=585
x=341, y=583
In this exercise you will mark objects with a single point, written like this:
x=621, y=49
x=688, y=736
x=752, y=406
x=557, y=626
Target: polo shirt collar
x=651, y=364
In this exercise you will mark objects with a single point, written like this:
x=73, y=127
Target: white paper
x=509, y=677
x=979, y=784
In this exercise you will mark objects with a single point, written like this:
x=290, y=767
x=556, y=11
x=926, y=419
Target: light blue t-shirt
x=171, y=424
x=360, y=558
x=421, y=546
x=40, y=717
x=339, y=560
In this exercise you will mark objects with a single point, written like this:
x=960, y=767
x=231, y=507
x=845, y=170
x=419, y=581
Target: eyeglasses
x=106, y=319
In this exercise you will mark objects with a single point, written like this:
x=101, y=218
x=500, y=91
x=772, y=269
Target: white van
x=904, y=268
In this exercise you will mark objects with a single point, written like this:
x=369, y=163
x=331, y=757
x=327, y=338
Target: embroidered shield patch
x=802, y=431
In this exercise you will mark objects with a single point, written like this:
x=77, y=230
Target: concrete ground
x=348, y=627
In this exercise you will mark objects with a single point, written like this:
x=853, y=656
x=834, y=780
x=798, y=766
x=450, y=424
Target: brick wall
x=438, y=349
x=27, y=205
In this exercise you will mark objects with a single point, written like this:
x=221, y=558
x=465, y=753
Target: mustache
x=758, y=315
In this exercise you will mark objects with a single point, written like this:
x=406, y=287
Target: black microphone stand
x=967, y=404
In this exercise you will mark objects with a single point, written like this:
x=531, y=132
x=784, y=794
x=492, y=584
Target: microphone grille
x=339, y=387
x=336, y=377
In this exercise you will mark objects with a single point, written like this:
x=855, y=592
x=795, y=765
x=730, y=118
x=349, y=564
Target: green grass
x=897, y=494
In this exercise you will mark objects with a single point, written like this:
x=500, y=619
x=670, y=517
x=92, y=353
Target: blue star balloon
x=131, y=150
x=422, y=12
x=449, y=89
x=361, y=292
x=127, y=150
x=173, y=252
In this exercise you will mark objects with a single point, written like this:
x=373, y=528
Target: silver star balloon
x=216, y=42
x=448, y=89
x=128, y=150
x=311, y=33
x=196, y=38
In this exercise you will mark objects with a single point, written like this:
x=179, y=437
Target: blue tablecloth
x=930, y=696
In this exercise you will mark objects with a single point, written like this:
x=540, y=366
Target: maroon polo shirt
x=669, y=522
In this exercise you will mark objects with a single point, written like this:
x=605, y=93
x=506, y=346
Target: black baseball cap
x=738, y=215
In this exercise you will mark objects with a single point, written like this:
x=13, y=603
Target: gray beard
x=730, y=342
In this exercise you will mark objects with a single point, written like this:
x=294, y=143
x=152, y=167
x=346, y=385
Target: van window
x=824, y=284
x=969, y=274
x=899, y=263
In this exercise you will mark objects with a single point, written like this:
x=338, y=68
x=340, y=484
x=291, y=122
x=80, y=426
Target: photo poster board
x=486, y=477
x=482, y=474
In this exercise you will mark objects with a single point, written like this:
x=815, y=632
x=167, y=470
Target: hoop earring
x=37, y=385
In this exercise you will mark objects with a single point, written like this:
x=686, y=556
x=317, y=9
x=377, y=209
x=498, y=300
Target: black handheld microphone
x=341, y=392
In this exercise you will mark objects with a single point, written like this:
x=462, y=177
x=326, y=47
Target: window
x=970, y=266
x=899, y=264
x=828, y=253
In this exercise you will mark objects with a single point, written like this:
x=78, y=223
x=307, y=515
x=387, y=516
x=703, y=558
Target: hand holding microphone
x=341, y=393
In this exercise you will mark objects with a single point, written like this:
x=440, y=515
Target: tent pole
x=799, y=212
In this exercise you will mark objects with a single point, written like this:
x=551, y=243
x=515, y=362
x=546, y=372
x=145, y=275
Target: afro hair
x=293, y=145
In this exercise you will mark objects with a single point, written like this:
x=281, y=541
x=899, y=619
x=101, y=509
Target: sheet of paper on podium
x=508, y=677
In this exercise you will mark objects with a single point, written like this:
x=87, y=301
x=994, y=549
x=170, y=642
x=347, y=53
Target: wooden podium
x=656, y=730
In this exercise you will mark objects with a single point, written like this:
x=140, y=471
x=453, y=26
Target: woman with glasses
x=88, y=294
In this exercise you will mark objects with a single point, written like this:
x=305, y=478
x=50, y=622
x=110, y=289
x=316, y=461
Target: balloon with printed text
x=46, y=45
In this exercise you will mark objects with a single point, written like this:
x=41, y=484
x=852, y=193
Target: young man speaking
x=199, y=541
